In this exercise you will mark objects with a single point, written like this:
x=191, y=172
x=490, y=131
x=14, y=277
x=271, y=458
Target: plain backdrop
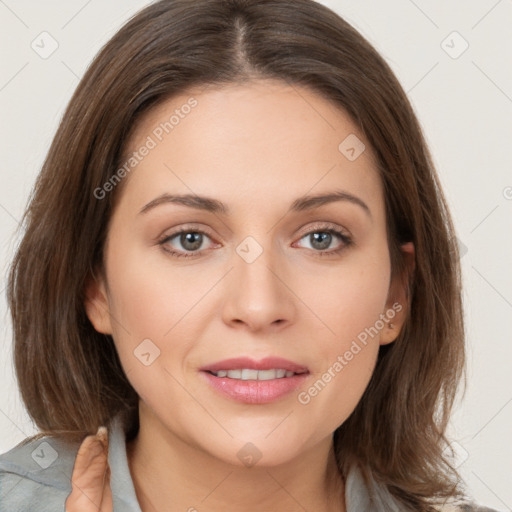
x=453, y=60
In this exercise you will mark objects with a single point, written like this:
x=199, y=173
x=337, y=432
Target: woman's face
x=256, y=273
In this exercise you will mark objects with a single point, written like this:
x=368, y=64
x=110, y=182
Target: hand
x=90, y=481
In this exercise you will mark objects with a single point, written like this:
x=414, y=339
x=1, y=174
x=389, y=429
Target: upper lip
x=268, y=363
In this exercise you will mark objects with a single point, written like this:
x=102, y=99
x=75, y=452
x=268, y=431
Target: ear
x=96, y=304
x=397, y=305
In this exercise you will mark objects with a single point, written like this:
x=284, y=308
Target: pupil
x=325, y=239
x=191, y=238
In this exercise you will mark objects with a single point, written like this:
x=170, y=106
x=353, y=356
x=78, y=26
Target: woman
x=238, y=260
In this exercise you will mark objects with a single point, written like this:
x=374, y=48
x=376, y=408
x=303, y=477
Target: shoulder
x=364, y=492
x=36, y=475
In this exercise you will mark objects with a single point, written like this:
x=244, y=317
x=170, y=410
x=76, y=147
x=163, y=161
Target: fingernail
x=102, y=434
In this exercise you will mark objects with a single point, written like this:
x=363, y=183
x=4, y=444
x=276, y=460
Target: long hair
x=70, y=376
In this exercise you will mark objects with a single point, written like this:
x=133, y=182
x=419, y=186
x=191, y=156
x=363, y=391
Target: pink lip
x=268, y=363
x=255, y=391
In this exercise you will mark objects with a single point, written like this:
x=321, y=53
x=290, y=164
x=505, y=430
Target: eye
x=189, y=239
x=321, y=237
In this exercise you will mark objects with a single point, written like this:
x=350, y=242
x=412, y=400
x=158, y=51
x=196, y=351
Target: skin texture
x=255, y=147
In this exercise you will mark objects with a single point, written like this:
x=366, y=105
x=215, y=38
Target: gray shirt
x=37, y=477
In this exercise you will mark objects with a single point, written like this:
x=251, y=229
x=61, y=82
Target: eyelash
x=347, y=241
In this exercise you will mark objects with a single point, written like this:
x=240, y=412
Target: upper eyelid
x=319, y=225
x=325, y=226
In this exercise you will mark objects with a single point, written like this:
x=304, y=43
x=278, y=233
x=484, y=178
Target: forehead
x=265, y=139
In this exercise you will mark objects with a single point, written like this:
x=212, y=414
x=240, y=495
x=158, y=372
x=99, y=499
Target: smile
x=250, y=374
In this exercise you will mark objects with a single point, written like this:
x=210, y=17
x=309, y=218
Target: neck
x=173, y=475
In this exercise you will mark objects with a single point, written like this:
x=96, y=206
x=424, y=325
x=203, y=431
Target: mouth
x=255, y=382
x=251, y=374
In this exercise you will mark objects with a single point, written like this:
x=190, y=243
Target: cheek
x=334, y=394
x=347, y=300
x=151, y=298
x=152, y=311
x=350, y=308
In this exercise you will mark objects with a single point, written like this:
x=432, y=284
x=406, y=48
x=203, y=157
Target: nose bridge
x=257, y=293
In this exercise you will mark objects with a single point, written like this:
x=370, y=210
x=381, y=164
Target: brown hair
x=70, y=376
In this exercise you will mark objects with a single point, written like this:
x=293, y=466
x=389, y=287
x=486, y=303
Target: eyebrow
x=307, y=202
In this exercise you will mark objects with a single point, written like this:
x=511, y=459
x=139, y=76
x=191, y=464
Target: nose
x=258, y=292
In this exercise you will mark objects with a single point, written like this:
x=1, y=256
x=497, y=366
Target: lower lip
x=255, y=391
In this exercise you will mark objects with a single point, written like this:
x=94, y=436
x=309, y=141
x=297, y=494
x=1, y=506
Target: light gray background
x=463, y=103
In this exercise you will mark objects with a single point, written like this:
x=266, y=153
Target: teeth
x=249, y=374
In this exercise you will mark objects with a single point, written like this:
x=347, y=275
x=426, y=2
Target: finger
x=88, y=478
x=107, y=504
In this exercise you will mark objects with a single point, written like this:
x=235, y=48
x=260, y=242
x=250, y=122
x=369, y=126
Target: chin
x=258, y=451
